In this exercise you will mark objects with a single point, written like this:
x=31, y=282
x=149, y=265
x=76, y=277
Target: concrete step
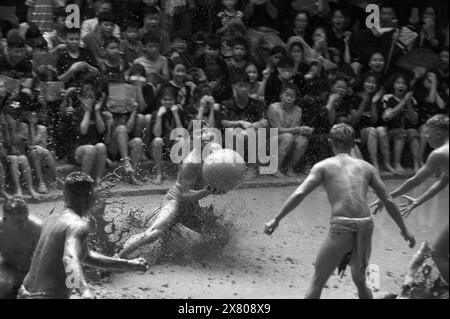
x=148, y=189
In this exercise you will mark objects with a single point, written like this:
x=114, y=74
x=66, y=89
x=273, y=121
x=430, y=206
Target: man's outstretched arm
x=380, y=190
x=313, y=180
x=97, y=260
x=435, y=189
x=430, y=168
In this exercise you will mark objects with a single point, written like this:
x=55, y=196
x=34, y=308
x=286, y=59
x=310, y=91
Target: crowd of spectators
x=113, y=89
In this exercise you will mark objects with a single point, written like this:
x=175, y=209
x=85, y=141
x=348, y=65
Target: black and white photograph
x=223, y=155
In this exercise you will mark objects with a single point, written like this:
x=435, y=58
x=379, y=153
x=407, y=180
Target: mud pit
x=253, y=265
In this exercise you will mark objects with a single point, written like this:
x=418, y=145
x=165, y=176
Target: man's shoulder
x=35, y=221
x=440, y=154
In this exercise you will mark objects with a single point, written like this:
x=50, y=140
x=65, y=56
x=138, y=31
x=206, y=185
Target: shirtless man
x=181, y=200
x=63, y=247
x=436, y=133
x=346, y=181
x=19, y=234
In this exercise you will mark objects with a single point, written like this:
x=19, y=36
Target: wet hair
x=77, y=187
x=14, y=205
x=290, y=86
x=213, y=41
x=105, y=17
x=14, y=39
x=342, y=135
x=439, y=121
x=277, y=50
x=286, y=62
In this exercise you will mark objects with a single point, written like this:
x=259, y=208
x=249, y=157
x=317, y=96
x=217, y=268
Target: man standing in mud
x=436, y=132
x=346, y=181
x=181, y=202
x=19, y=234
x=63, y=247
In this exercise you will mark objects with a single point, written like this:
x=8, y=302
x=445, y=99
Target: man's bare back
x=346, y=180
x=17, y=246
x=47, y=272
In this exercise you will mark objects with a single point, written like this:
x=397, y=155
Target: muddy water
x=254, y=265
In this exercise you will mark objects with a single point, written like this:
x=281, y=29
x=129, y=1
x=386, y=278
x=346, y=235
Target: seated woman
x=82, y=129
x=292, y=137
x=398, y=121
x=366, y=116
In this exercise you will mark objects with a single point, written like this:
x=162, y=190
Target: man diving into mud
x=346, y=181
x=19, y=235
x=181, y=201
x=63, y=247
x=436, y=133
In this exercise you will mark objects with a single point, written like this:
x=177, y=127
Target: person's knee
x=412, y=134
x=372, y=133
x=121, y=129
x=158, y=142
x=84, y=152
x=286, y=139
x=101, y=149
x=381, y=132
x=301, y=141
x=400, y=135
x=23, y=160
x=136, y=143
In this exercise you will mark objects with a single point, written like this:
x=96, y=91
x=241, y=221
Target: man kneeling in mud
x=19, y=234
x=63, y=247
x=181, y=201
x=346, y=181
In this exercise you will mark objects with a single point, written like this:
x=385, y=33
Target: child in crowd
x=130, y=46
x=152, y=25
x=154, y=63
x=112, y=66
x=180, y=45
x=169, y=116
x=228, y=16
x=239, y=61
x=74, y=62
